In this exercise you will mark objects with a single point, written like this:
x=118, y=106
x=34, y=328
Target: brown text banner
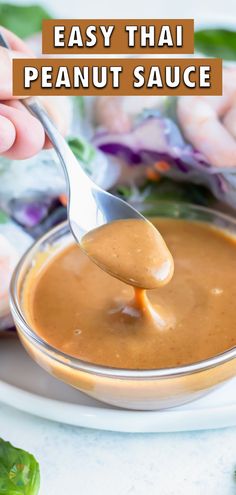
x=117, y=76
x=118, y=36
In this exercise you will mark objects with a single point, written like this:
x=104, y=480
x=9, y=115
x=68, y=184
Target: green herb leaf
x=3, y=217
x=23, y=20
x=79, y=104
x=166, y=190
x=169, y=190
x=125, y=192
x=217, y=43
x=19, y=471
x=82, y=149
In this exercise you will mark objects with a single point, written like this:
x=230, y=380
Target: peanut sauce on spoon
x=131, y=250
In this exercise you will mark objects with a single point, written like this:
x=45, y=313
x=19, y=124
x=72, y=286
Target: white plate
x=25, y=386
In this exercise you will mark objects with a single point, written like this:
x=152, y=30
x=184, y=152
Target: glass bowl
x=131, y=389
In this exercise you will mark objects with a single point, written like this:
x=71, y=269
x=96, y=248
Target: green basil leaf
x=82, y=149
x=19, y=471
x=23, y=20
x=216, y=43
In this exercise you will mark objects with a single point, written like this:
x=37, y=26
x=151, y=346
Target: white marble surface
x=79, y=461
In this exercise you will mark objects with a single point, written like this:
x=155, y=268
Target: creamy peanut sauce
x=132, y=250
x=83, y=311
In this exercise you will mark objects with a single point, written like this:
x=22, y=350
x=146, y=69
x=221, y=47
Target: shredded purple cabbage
x=158, y=138
x=153, y=138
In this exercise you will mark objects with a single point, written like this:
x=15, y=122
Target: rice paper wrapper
x=13, y=243
x=156, y=140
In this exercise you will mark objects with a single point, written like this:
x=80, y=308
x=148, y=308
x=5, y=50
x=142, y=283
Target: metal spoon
x=89, y=206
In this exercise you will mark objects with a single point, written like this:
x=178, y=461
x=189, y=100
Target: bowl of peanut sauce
x=164, y=338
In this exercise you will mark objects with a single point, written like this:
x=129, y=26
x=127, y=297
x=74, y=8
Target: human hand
x=21, y=134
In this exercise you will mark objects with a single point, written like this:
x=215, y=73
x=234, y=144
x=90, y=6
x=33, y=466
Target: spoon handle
x=88, y=205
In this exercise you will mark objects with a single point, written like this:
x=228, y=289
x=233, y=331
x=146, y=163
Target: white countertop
x=87, y=462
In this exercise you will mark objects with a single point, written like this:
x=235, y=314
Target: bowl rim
x=85, y=366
